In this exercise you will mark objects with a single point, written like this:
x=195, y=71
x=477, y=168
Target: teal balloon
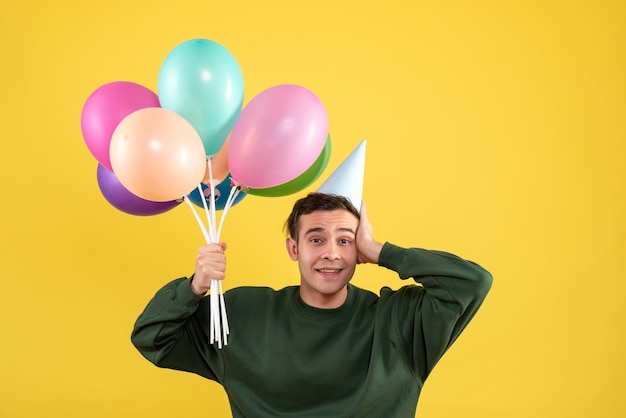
x=222, y=191
x=202, y=81
x=302, y=181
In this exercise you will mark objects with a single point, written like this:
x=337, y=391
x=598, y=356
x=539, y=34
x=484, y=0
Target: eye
x=344, y=241
x=316, y=240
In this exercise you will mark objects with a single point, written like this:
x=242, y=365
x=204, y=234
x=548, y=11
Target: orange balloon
x=219, y=165
x=157, y=155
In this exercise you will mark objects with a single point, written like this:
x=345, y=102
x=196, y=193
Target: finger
x=212, y=248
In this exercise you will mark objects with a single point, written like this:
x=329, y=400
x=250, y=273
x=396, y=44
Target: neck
x=324, y=301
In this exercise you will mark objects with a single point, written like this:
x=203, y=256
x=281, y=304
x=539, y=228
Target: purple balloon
x=120, y=198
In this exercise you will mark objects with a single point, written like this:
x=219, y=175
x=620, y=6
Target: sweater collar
x=319, y=314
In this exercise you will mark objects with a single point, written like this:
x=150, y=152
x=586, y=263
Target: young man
x=325, y=348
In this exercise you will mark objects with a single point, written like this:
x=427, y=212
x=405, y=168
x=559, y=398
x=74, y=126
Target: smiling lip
x=328, y=270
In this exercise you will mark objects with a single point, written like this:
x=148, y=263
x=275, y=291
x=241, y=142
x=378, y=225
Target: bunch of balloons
x=195, y=140
x=153, y=149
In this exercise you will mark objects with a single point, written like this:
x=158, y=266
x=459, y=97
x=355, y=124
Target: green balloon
x=303, y=181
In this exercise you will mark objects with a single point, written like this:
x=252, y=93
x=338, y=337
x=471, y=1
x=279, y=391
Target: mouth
x=329, y=271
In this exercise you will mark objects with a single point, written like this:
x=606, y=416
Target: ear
x=292, y=248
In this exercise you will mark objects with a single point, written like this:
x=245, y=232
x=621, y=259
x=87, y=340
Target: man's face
x=327, y=256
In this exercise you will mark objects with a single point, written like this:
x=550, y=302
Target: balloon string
x=215, y=312
x=206, y=211
x=195, y=213
x=211, y=321
x=206, y=208
x=216, y=293
x=229, y=201
x=234, y=191
x=218, y=322
x=218, y=317
x=224, y=316
x=214, y=322
x=212, y=186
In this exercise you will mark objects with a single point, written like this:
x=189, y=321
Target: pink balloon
x=277, y=137
x=157, y=155
x=104, y=110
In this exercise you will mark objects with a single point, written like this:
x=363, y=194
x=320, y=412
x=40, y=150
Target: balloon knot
x=235, y=183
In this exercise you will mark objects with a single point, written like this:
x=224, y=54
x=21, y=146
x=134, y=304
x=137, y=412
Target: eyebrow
x=319, y=229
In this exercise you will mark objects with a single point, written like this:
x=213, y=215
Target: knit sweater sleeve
x=170, y=332
x=430, y=317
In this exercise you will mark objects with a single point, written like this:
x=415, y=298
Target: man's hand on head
x=368, y=249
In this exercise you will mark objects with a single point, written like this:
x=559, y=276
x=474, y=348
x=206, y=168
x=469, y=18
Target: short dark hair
x=314, y=202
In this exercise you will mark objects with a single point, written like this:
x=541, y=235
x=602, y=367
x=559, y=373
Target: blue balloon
x=202, y=81
x=222, y=191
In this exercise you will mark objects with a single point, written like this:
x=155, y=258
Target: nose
x=331, y=251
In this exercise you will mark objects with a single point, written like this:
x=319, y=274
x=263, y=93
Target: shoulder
x=362, y=295
x=258, y=291
x=247, y=296
x=411, y=294
x=386, y=294
x=251, y=305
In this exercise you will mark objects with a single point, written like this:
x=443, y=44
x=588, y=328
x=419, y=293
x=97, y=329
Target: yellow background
x=495, y=131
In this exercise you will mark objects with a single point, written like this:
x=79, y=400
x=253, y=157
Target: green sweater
x=368, y=358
